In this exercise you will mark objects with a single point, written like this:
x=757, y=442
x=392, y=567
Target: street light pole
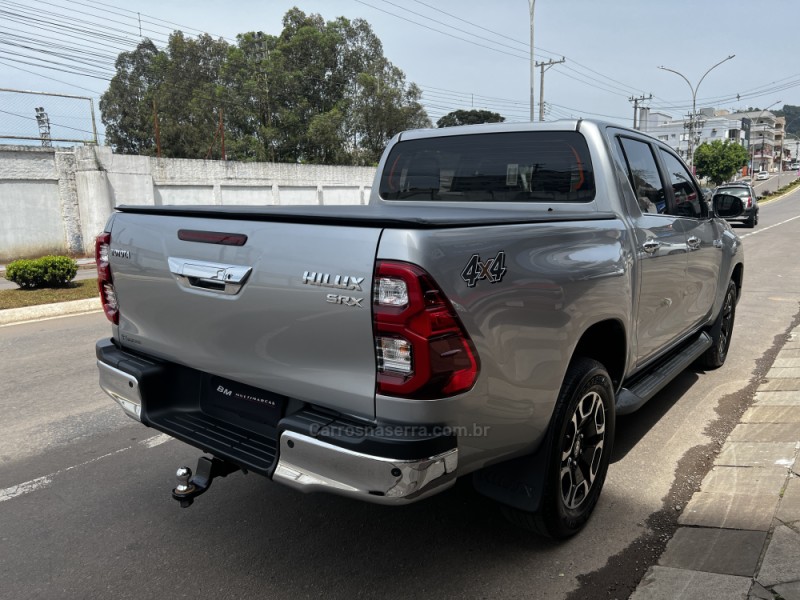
x=693, y=116
x=533, y=63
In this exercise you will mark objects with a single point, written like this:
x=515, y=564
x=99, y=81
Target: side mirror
x=727, y=206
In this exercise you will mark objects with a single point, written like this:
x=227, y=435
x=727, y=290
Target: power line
x=105, y=20
x=439, y=31
x=525, y=45
x=447, y=24
x=51, y=122
x=50, y=78
x=79, y=29
x=625, y=90
x=162, y=20
x=586, y=112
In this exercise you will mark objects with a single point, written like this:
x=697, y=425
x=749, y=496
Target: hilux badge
x=342, y=282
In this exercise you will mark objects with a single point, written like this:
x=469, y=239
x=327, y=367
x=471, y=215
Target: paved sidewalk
x=739, y=536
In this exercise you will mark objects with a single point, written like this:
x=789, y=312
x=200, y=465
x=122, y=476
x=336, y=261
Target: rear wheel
x=721, y=331
x=579, y=449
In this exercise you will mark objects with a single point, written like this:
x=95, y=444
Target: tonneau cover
x=391, y=217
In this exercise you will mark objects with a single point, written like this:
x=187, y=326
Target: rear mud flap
x=516, y=483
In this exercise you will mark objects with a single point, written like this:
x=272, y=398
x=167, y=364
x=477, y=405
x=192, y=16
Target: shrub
x=48, y=271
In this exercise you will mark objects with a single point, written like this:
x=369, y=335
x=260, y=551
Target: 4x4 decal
x=493, y=269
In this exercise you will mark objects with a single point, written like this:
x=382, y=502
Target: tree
x=792, y=115
x=126, y=108
x=719, y=160
x=469, y=117
x=320, y=92
x=190, y=94
x=181, y=84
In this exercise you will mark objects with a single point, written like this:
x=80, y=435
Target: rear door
x=288, y=311
x=704, y=255
x=661, y=252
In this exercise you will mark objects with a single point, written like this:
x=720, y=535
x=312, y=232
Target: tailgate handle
x=210, y=277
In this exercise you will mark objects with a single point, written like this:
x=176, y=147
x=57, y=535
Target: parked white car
x=762, y=175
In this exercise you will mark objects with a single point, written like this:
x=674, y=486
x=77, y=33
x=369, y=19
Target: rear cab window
x=530, y=166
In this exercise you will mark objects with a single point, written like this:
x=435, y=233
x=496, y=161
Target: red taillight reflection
x=105, y=283
x=442, y=360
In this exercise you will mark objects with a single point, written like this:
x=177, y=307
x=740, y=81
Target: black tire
x=579, y=445
x=751, y=222
x=721, y=331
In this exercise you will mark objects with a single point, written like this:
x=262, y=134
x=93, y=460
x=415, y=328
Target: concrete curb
x=739, y=536
x=12, y=316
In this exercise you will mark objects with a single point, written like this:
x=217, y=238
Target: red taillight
x=422, y=348
x=749, y=202
x=105, y=283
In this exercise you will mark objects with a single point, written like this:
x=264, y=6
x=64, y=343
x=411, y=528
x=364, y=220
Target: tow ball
x=189, y=487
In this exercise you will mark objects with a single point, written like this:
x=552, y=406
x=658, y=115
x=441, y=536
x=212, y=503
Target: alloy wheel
x=582, y=449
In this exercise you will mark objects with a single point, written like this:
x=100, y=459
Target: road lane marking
x=156, y=440
x=41, y=483
x=770, y=227
x=25, y=488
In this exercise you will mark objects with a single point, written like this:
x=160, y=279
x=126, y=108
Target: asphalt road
x=85, y=507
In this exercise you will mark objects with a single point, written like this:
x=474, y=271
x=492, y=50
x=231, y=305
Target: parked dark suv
x=748, y=195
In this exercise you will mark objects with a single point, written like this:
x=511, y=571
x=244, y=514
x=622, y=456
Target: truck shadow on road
x=630, y=429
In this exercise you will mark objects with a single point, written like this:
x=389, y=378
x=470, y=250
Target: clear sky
x=463, y=53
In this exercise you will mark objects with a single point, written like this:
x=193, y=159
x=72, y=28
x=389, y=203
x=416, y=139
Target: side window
x=689, y=202
x=643, y=175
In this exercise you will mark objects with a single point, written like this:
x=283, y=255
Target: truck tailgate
x=297, y=324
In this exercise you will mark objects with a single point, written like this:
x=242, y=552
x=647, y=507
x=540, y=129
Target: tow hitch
x=190, y=487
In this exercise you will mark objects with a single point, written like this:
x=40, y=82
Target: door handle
x=650, y=246
x=693, y=243
x=207, y=276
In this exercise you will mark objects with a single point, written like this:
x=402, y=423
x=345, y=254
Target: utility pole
x=636, y=102
x=533, y=62
x=547, y=64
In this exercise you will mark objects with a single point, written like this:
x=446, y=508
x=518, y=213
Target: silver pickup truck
x=507, y=292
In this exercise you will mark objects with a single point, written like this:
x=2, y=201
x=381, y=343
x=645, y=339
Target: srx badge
x=492, y=269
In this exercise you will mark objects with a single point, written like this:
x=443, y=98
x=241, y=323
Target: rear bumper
x=747, y=215
x=310, y=465
x=308, y=450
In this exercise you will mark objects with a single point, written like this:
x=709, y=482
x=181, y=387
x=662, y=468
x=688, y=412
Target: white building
x=761, y=132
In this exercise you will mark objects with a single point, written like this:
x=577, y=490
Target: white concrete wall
x=31, y=222
x=30, y=206
x=58, y=201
